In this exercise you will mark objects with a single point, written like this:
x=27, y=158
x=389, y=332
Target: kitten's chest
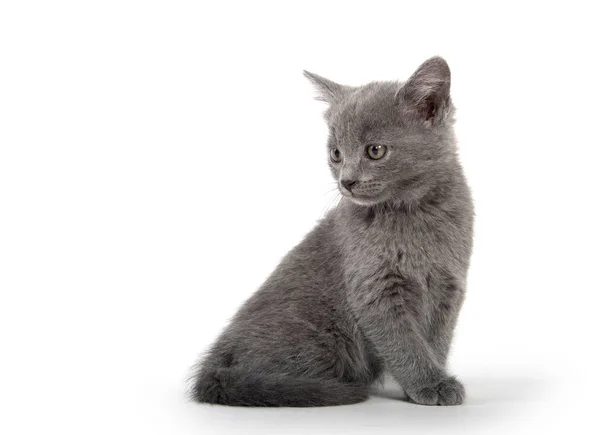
x=387, y=252
x=398, y=242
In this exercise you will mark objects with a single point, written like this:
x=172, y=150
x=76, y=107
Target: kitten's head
x=390, y=141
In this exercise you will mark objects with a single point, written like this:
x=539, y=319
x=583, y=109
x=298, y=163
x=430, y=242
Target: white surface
x=158, y=158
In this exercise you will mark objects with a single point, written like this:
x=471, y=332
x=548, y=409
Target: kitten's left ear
x=329, y=91
x=427, y=91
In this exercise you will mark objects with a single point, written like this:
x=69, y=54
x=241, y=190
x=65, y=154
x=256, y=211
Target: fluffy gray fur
x=378, y=283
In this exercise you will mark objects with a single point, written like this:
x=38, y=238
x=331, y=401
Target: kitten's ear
x=427, y=91
x=328, y=91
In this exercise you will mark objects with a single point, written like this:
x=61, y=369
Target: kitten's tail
x=231, y=386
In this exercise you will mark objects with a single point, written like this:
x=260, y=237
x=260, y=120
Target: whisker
x=332, y=203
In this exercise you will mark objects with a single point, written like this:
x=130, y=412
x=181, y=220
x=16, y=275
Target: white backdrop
x=159, y=158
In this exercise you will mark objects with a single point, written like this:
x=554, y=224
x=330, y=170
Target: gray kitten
x=378, y=283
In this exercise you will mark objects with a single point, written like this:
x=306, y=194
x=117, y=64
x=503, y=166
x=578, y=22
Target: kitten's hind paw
x=447, y=392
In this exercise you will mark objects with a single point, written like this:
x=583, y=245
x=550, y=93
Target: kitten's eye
x=336, y=155
x=376, y=151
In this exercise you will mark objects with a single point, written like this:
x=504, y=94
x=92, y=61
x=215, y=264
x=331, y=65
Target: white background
x=159, y=158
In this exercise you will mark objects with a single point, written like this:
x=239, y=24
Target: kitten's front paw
x=447, y=392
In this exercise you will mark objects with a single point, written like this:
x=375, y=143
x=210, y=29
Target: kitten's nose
x=348, y=184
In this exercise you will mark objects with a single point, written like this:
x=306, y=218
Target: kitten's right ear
x=329, y=91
